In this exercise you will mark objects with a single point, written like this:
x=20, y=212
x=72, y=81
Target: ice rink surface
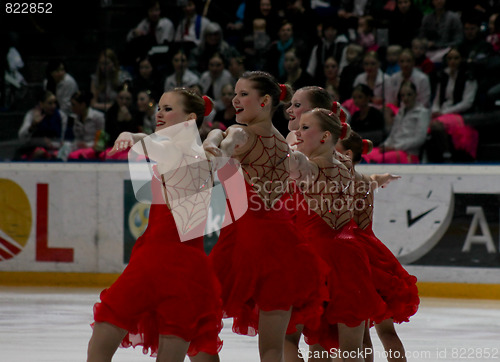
x=52, y=325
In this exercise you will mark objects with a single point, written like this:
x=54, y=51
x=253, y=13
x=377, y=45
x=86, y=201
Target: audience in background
x=408, y=133
x=87, y=129
x=212, y=80
x=43, y=129
x=340, y=47
x=60, y=83
x=107, y=80
x=182, y=76
x=367, y=121
x=153, y=30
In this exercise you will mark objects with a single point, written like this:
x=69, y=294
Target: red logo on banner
x=43, y=251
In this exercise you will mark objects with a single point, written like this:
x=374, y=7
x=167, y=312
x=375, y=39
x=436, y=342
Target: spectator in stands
x=474, y=48
x=456, y=89
x=87, y=128
x=14, y=85
x=408, y=133
x=366, y=33
x=212, y=42
x=331, y=44
x=494, y=32
x=352, y=10
x=237, y=67
x=182, y=76
x=404, y=23
x=304, y=21
x=350, y=67
x=275, y=57
x=107, y=80
x=121, y=116
x=42, y=131
x=422, y=61
x=214, y=79
x=60, y=83
x=263, y=9
x=146, y=106
x=151, y=31
x=295, y=75
x=190, y=30
x=256, y=44
x=391, y=59
x=147, y=77
x=374, y=78
x=442, y=28
x=226, y=116
x=368, y=121
x=455, y=95
x=331, y=79
x=411, y=74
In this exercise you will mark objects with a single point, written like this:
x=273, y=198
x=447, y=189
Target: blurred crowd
x=407, y=71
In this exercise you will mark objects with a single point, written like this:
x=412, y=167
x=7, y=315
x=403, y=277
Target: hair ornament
x=283, y=92
x=366, y=146
x=343, y=133
x=208, y=105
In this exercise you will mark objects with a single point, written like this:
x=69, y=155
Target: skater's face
x=170, y=111
x=248, y=102
x=309, y=134
x=300, y=104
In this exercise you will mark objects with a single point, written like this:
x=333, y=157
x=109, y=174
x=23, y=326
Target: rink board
x=75, y=223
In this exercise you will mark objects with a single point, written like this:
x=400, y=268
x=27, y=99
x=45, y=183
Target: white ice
x=53, y=325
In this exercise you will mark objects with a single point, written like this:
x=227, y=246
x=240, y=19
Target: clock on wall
x=412, y=214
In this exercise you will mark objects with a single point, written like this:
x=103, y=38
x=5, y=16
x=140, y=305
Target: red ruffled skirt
x=263, y=264
x=397, y=288
x=168, y=288
x=353, y=298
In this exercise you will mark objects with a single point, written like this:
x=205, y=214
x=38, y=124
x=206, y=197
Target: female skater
x=305, y=99
x=271, y=281
x=394, y=284
x=168, y=298
x=327, y=224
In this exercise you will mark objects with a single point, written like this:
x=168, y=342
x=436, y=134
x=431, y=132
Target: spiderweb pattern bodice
x=330, y=195
x=266, y=168
x=186, y=190
x=363, y=203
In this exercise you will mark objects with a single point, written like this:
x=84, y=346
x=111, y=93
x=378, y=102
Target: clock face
x=412, y=214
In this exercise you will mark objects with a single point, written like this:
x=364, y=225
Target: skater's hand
x=123, y=142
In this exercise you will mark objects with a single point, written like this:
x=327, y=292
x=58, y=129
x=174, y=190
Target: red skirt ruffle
x=168, y=288
x=262, y=264
x=397, y=288
x=353, y=298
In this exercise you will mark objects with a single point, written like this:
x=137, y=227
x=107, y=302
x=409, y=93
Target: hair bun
x=367, y=146
x=339, y=111
x=208, y=105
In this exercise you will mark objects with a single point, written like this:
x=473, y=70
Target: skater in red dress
x=305, y=99
x=168, y=298
x=326, y=189
x=397, y=288
x=271, y=280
